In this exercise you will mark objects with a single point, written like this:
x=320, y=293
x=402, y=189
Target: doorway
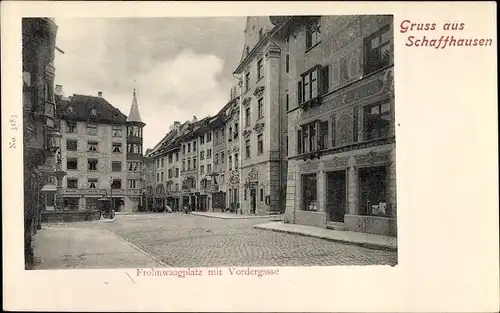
x=253, y=200
x=336, y=195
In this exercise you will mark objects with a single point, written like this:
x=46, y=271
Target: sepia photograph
x=209, y=142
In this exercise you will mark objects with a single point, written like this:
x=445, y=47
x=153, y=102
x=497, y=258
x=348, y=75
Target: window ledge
x=312, y=47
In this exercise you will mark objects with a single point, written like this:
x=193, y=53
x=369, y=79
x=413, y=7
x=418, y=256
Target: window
x=176, y=156
x=134, y=166
x=176, y=187
x=245, y=195
x=247, y=117
x=377, y=50
x=236, y=161
x=162, y=162
x=323, y=135
x=247, y=148
x=247, y=82
x=260, y=144
x=287, y=103
x=92, y=129
x=176, y=172
x=184, y=149
x=71, y=127
x=209, y=153
x=261, y=194
x=116, y=166
x=71, y=164
x=286, y=145
x=313, y=34
x=170, y=173
x=117, y=147
x=158, y=163
x=300, y=148
x=373, y=190
x=194, y=163
x=162, y=177
x=202, y=169
x=209, y=168
x=343, y=69
x=377, y=120
x=311, y=85
x=287, y=63
x=72, y=183
x=116, y=184
x=117, y=131
x=189, y=164
x=260, y=33
x=157, y=177
x=261, y=107
x=71, y=145
x=133, y=184
x=202, y=139
x=230, y=162
x=309, y=193
x=222, y=135
x=209, y=137
x=92, y=146
x=183, y=165
x=170, y=158
x=189, y=147
x=260, y=72
x=222, y=159
x=92, y=183
x=202, y=155
x=222, y=178
x=194, y=146
x=216, y=159
x=92, y=164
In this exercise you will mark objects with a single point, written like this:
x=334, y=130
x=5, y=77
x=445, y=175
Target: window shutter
x=299, y=92
x=324, y=80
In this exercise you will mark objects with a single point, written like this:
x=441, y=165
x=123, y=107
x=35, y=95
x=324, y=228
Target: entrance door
x=336, y=195
x=253, y=200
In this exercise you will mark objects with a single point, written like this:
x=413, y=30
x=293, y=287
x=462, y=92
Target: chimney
x=99, y=94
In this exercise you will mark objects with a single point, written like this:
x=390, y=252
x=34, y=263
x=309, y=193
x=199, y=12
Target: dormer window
x=93, y=112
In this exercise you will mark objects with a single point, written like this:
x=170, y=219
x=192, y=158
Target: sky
x=180, y=67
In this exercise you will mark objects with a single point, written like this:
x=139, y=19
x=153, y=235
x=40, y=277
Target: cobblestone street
x=181, y=240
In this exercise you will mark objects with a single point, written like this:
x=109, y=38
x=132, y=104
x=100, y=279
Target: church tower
x=135, y=158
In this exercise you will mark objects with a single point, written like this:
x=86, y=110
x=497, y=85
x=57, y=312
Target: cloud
x=180, y=66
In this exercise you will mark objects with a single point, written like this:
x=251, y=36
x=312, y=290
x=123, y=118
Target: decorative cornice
x=246, y=101
x=259, y=91
x=259, y=127
x=273, y=52
x=247, y=133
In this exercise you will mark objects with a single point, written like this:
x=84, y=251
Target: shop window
x=373, y=191
x=309, y=192
x=377, y=50
x=377, y=120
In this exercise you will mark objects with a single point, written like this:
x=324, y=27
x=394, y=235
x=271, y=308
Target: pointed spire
x=134, y=115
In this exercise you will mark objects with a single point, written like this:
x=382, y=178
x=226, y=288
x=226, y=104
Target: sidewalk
x=235, y=216
x=348, y=237
x=82, y=248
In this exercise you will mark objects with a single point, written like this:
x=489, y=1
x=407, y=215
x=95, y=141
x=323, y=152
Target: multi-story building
x=101, y=152
x=341, y=164
x=262, y=121
x=231, y=157
x=41, y=140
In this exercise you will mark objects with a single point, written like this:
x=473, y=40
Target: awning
x=49, y=188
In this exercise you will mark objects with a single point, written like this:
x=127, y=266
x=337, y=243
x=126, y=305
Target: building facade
x=101, y=153
x=341, y=164
x=262, y=121
x=40, y=137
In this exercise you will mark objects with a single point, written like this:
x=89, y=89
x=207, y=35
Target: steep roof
x=89, y=108
x=134, y=115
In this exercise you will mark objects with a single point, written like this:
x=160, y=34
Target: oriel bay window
x=309, y=192
x=377, y=50
x=373, y=191
x=377, y=119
